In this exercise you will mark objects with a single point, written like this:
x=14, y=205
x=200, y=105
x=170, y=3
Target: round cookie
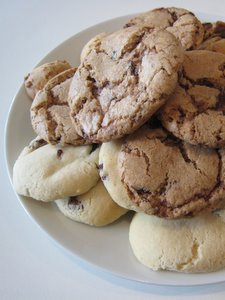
x=132, y=68
x=46, y=172
x=95, y=41
x=195, y=111
x=50, y=112
x=188, y=245
x=155, y=173
x=95, y=207
x=109, y=173
x=214, y=37
x=182, y=23
x=36, y=80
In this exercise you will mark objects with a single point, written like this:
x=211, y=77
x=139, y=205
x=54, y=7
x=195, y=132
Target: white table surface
x=31, y=266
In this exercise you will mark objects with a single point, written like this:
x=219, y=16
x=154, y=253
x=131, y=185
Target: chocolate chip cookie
x=95, y=207
x=155, y=173
x=123, y=80
x=37, y=79
x=180, y=22
x=50, y=112
x=195, y=112
x=214, y=37
x=49, y=172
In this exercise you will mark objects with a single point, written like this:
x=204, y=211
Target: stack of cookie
x=144, y=111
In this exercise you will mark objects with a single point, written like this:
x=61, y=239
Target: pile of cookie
x=139, y=125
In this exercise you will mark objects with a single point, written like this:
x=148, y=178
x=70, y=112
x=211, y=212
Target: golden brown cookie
x=36, y=80
x=96, y=40
x=180, y=22
x=195, y=112
x=123, y=80
x=214, y=37
x=50, y=112
x=155, y=173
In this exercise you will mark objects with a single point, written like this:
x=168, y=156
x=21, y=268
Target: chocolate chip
x=104, y=177
x=84, y=100
x=34, y=145
x=142, y=191
x=75, y=202
x=59, y=153
x=94, y=147
x=100, y=166
x=105, y=83
x=91, y=79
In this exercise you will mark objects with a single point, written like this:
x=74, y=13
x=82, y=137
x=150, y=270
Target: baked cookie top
x=161, y=175
x=50, y=112
x=180, y=22
x=122, y=81
x=188, y=245
x=95, y=207
x=37, y=79
x=214, y=38
x=94, y=42
x=195, y=111
x=48, y=172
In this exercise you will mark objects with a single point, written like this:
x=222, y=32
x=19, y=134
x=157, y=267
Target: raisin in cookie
x=47, y=172
x=180, y=22
x=195, y=112
x=152, y=172
x=50, y=112
x=95, y=207
x=123, y=80
x=214, y=37
x=36, y=80
x=187, y=245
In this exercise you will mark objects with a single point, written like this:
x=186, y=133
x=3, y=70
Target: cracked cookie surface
x=50, y=112
x=94, y=42
x=155, y=173
x=176, y=179
x=214, y=39
x=122, y=81
x=37, y=79
x=48, y=172
x=180, y=22
x=186, y=245
x=196, y=111
x=95, y=207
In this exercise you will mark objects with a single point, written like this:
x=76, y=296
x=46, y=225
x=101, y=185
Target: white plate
x=107, y=248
